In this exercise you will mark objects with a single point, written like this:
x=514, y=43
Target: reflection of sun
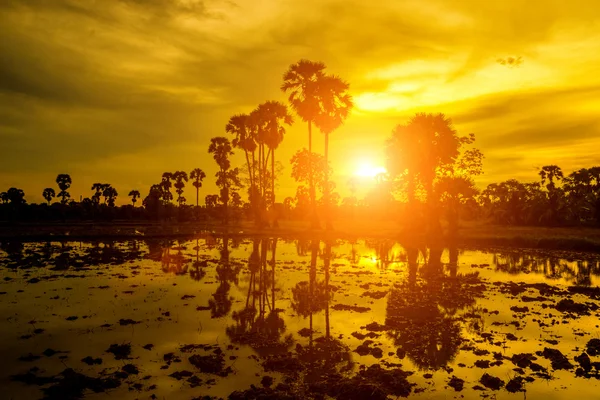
x=369, y=170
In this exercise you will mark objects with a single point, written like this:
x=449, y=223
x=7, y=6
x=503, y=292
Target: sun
x=368, y=170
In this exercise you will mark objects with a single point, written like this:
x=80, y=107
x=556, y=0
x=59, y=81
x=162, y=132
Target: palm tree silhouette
x=134, y=194
x=197, y=175
x=48, y=194
x=64, y=183
x=301, y=81
x=180, y=178
x=221, y=149
x=110, y=194
x=99, y=189
x=336, y=104
x=166, y=187
x=271, y=116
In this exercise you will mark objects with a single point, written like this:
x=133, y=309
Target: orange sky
x=121, y=91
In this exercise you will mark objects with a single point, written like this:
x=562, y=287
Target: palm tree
x=64, y=183
x=197, y=175
x=272, y=115
x=336, y=104
x=134, y=194
x=98, y=188
x=301, y=81
x=166, y=186
x=110, y=194
x=180, y=178
x=221, y=149
x=48, y=194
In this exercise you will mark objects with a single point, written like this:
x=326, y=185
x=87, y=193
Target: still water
x=219, y=317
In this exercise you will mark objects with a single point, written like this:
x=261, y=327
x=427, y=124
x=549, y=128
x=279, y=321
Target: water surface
x=215, y=315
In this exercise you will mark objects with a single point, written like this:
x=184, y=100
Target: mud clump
x=376, y=327
x=89, y=360
x=523, y=360
x=120, y=351
x=375, y=294
x=210, y=364
x=584, y=361
x=372, y=383
x=281, y=392
x=515, y=385
x=345, y=307
x=491, y=382
x=593, y=347
x=72, y=385
x=456, y=383
x=558, y=359
x=570, y=306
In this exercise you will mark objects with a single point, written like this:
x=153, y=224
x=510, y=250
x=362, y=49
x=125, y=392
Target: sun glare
x=368, y=170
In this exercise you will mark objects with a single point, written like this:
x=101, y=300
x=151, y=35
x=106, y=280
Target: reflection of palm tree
x=198, y=272
x=422, y=314
x=174, y=263
x=258, y=324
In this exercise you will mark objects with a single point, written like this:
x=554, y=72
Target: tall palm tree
x=64, y=183
x=110, y=195
x=99, y=188
x=221, y=150
x=336, y=104
x=239, y=125
x=48, y=194
x=134, y=194
x=301, y=81
x=197, y=175
x=166, y=186
x=272, y=116
x=180, y=178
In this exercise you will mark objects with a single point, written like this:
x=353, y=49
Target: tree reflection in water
x=259, y=324
x=227, y=273
x=422, y=310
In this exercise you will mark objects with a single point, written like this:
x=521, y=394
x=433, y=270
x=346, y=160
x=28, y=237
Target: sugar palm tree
x=239, y=125
x=48, y=194
x=134, y=194
x=336, y=104
x=64, y=183
x=221, y=150
x=110, y=195
x=180, y=178
x=301, y=82
x=272, y=117
x=197, y=175
x=166, y=186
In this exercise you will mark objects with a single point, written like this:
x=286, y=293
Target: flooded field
x=269, y=318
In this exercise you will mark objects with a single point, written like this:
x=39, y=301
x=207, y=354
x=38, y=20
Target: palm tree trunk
x=327, y=187
x=314, y=221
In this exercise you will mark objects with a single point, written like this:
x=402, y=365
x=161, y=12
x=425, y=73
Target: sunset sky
x=121, y=91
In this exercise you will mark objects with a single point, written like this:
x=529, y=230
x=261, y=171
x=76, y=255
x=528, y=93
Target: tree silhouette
x=244, y=128
x=302, y=81
x=4, y=197
x=64, y=183
x=197, y=175
x=134, y=194
x=48, y=194
x=336, y=104
x=227, y=178
x=180, y=178
x=99, y=189
x=270, y=117
x=549, y=174
x=166, y=184
x=15, y=196
x=110, y=195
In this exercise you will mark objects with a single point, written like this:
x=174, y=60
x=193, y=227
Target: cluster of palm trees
x=319, y=99
x=555, y=199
